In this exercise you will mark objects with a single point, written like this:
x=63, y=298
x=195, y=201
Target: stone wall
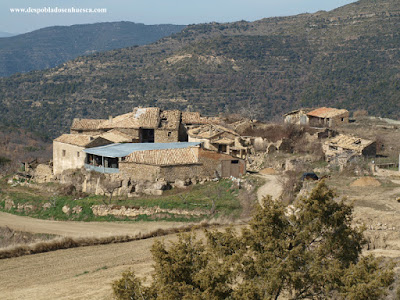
x=66, y=156
x=126, y=211
x=212, y=164
x=182, y=172
x=341, y=119
x=139, y=171
x=166, y=136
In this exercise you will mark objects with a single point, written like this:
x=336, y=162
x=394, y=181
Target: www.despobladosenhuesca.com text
x=58, y=10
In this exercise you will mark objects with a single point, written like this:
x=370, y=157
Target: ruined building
x=346, y=147
x=220, y=139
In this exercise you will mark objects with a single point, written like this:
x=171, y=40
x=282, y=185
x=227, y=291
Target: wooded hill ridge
x=51, y=46
x=346, y=58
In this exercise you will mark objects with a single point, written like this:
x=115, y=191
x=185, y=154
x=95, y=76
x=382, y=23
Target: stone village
x=150, y=150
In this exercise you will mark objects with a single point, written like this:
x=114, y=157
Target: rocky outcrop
x=105, y=184
x=8, y=204
x=66, y=209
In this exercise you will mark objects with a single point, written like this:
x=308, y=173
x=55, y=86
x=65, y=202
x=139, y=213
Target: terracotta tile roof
x=116, y=136
x=327, y=112
x=349, y=142
x=86, y=124
x=165, y=157
x=140, y=117
x=75, y=139
x=170, y=119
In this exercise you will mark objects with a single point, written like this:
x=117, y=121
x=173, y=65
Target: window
x=63, y=153
x=234, y=162
x=342, y=119
x=169, y=133
x=77, y=154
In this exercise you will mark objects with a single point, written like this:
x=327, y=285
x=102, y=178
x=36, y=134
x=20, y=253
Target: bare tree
x=110, y=186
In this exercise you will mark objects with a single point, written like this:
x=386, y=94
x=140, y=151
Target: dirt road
x=271, y=187
x=81, y=229
x=80, y=273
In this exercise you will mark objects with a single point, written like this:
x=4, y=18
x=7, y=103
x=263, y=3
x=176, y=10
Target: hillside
x=348, y=58
x=5, y=34
x=51, y=46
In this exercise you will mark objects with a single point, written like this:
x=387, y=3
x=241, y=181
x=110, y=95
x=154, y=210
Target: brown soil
x=366, y=181
x=268, y=171
x=272, y=187
x=81, y=273
x=82, y=229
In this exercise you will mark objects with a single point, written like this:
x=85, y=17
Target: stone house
x=220, y=139
x=145, y=125
x=68, y=150
x=348, y=146
x=327, y=117
x=298, y=116
x=141, y=126
x=167, y=161
x=148, y=125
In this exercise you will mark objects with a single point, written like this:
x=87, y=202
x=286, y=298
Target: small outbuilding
x=328, y=117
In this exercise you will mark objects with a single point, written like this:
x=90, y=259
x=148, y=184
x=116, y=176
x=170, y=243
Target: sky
x=151, y=11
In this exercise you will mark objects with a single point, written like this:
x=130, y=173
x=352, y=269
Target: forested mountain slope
x=51, y=46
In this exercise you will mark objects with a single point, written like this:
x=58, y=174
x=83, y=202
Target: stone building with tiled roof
x=68, y=150
x=145, y=125
x=327, y=117
x=166, y=161
x=142, y=125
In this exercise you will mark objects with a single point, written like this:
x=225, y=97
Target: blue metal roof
x=124, y=149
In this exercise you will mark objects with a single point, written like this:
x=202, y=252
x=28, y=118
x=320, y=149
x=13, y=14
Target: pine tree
x=312, y=252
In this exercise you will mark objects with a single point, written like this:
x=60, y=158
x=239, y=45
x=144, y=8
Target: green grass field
x=198, y=197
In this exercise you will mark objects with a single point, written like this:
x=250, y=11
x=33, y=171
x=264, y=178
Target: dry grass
x=69, y=242
x=9, y=237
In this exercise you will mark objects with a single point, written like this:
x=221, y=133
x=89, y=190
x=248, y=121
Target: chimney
x=110, y=119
